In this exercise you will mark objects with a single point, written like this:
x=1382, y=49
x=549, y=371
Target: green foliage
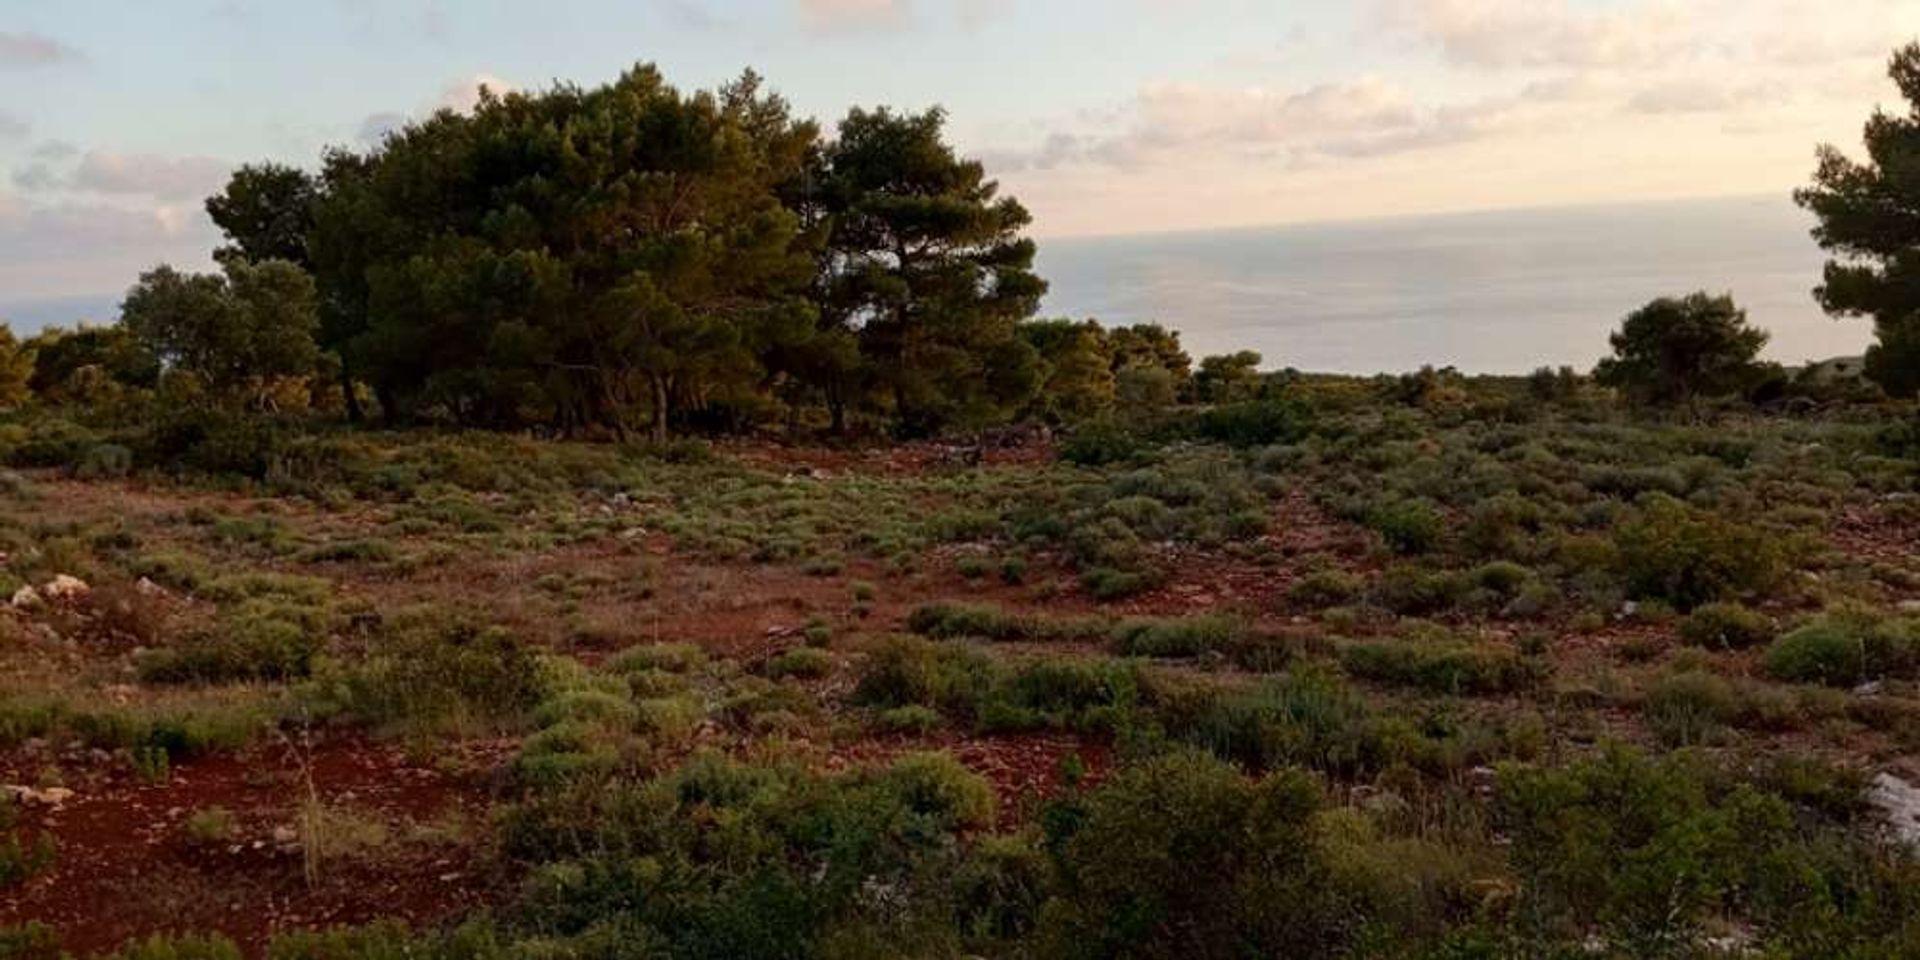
x=1872, y=273
x=1181, y=856
x=801, y=662
x=268, y=637
x=1182, y=637
x=1688, y=709
x=1845, y=648
x=426, y=672
x=1726, y=626
x=232, y=333
x=159, y=947
x=1687, y=557
x=992, y=695
x=1408, y=526
x=1674, y=351
x=1639, y=853
x=1440, y=666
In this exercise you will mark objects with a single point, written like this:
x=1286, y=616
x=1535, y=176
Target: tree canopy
x=1676, y=350
x=1869, y=213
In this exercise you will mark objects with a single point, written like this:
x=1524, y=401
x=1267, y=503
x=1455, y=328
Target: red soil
x=126, y=866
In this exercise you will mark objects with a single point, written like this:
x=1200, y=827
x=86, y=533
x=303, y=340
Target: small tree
x=16, y=369
x=1228, y=378
x=1674, y=351
x=1870, y=218
x=235, y=332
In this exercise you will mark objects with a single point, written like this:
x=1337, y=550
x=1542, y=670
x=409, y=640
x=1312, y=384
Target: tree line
x=633, y=259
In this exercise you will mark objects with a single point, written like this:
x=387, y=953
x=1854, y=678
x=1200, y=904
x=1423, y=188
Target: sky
x=1102, y=116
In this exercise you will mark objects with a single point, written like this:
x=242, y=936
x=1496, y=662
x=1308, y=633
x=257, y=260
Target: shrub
x=1407, y=526
x=1842, y=649
x=176, y=948
x=427, y=671
x=263, y=638
x=1439, y=666
x=1179, y=637
x=1685, y=557
x=1415, y=591
x=1326, y=588
x=1726, y=626
x=1099, y=442
x=1181, y=856
x=670, y=657
x=801, y=662
x=1686, y=709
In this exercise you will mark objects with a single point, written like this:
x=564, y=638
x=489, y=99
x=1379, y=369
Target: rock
x=25, y=597
x=43, y=797
x=1899, y=802
x=1909, y=606
x=1869, y=689
x=64, y=587
x=147, y=588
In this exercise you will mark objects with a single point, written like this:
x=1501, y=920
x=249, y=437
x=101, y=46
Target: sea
x=1493, y=292
x=1498, y=292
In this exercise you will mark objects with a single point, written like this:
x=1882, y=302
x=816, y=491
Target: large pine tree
x=1870, y=219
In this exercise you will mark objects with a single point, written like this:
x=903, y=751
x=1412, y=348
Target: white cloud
x=840, y=14
x=152, y=175
x=1495, y=34
x=67, y=249
x=33, y=50
x=12, y=127
x=462, y=95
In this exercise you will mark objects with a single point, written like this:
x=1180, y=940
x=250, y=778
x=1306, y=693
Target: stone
x=64, y=587
x=1899, y=802
x=25, y=597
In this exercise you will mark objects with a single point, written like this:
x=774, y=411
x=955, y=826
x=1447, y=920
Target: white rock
x=25, y=597
x=147, y=588
x=1899, y=802
x=63, y=587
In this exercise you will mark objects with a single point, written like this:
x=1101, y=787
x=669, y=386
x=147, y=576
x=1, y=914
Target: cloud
x=152, y=175
x=462, y=95
x=1496, y=34
x=852, y=14
x=866, y=15
x=12, y=127
x=33, y=50
x=66, y=249
x=1170, y=124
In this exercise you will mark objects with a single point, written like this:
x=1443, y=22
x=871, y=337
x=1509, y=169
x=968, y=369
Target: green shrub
x=1416, y=591
x=1686, y=709
x=1726, y=626
x=427, y=671
x=104, y=461
x=1842, y=649
x=1182, y=856
x=1439, y=666
x=1100, y=442
x=1177, y=637
x=1326, y=588
x=1407, y=526
x=176, y=948
x=801, y=662
x=263, y=638
x=670, y=657
x=1687, y=557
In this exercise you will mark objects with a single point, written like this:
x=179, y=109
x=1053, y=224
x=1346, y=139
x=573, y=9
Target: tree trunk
x=659, y=409
x=350, y=396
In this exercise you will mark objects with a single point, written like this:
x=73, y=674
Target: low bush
x=1177, y=637
x=1687, y=557
x=1690, y=708
x=1407, y=526
x=1726, y=626
x=1440, y=666
x=1846, y=648
x=807, y=662
x=426, y=671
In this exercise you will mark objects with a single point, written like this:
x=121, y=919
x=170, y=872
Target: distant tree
x=266, y=212
x=109, y=353
x=1150, y=345
x=1144, y=391
x=1870, y=218
x=1228, y=378
x=926, y=261
x=1674, y=351
x=233, y=332
x=1077, y=369
x=16, y=369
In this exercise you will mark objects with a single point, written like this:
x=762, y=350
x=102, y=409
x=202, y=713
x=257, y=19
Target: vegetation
x=1104, y=652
